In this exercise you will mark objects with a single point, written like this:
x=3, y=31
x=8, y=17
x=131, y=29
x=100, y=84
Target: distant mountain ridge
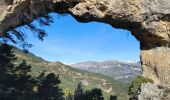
x=119, y=70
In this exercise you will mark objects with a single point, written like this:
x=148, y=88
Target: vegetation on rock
x=135, y=86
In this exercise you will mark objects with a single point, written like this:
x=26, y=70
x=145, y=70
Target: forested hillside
x=70, y=77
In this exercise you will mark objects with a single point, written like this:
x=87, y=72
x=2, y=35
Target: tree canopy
x=17, y=84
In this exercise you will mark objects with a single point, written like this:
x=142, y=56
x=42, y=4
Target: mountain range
x=119, y=70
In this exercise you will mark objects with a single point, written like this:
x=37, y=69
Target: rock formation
x=148, y=20
x=150, y=91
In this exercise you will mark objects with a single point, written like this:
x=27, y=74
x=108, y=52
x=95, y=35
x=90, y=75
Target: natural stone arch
x=148, y=20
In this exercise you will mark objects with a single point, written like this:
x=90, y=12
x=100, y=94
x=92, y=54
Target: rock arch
x=148, y=20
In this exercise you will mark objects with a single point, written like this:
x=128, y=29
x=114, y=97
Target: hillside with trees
x=70, y=77
x=16, y=82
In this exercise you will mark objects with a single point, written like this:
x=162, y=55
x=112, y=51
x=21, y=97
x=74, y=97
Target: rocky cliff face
x=148, y=20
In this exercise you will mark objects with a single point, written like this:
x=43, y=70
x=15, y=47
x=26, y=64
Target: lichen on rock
x=149, y=91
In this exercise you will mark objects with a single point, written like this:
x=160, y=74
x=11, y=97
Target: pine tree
x=79, y=92
x=6, y=67
x=113, y=97
x=49, y=88
x=94, y=94
x=23, y=82
x=17, y=84
x=6, y=58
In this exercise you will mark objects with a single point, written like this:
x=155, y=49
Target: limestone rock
x=148, y=20
x=150, y=91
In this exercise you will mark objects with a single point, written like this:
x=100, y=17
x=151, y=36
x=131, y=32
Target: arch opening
x=93, y=34
x=71, y=42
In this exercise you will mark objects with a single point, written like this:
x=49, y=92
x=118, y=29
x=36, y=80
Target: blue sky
x=69, y=41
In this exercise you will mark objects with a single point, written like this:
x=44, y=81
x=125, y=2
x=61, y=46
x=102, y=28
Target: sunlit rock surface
x=150, y=91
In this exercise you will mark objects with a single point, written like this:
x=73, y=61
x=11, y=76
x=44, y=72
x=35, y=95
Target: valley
x=70, y=77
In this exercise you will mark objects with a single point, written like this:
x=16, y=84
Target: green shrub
x=136, y=83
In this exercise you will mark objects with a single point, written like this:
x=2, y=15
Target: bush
x=93, y=94
x=136, y=83
x=113, y=97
